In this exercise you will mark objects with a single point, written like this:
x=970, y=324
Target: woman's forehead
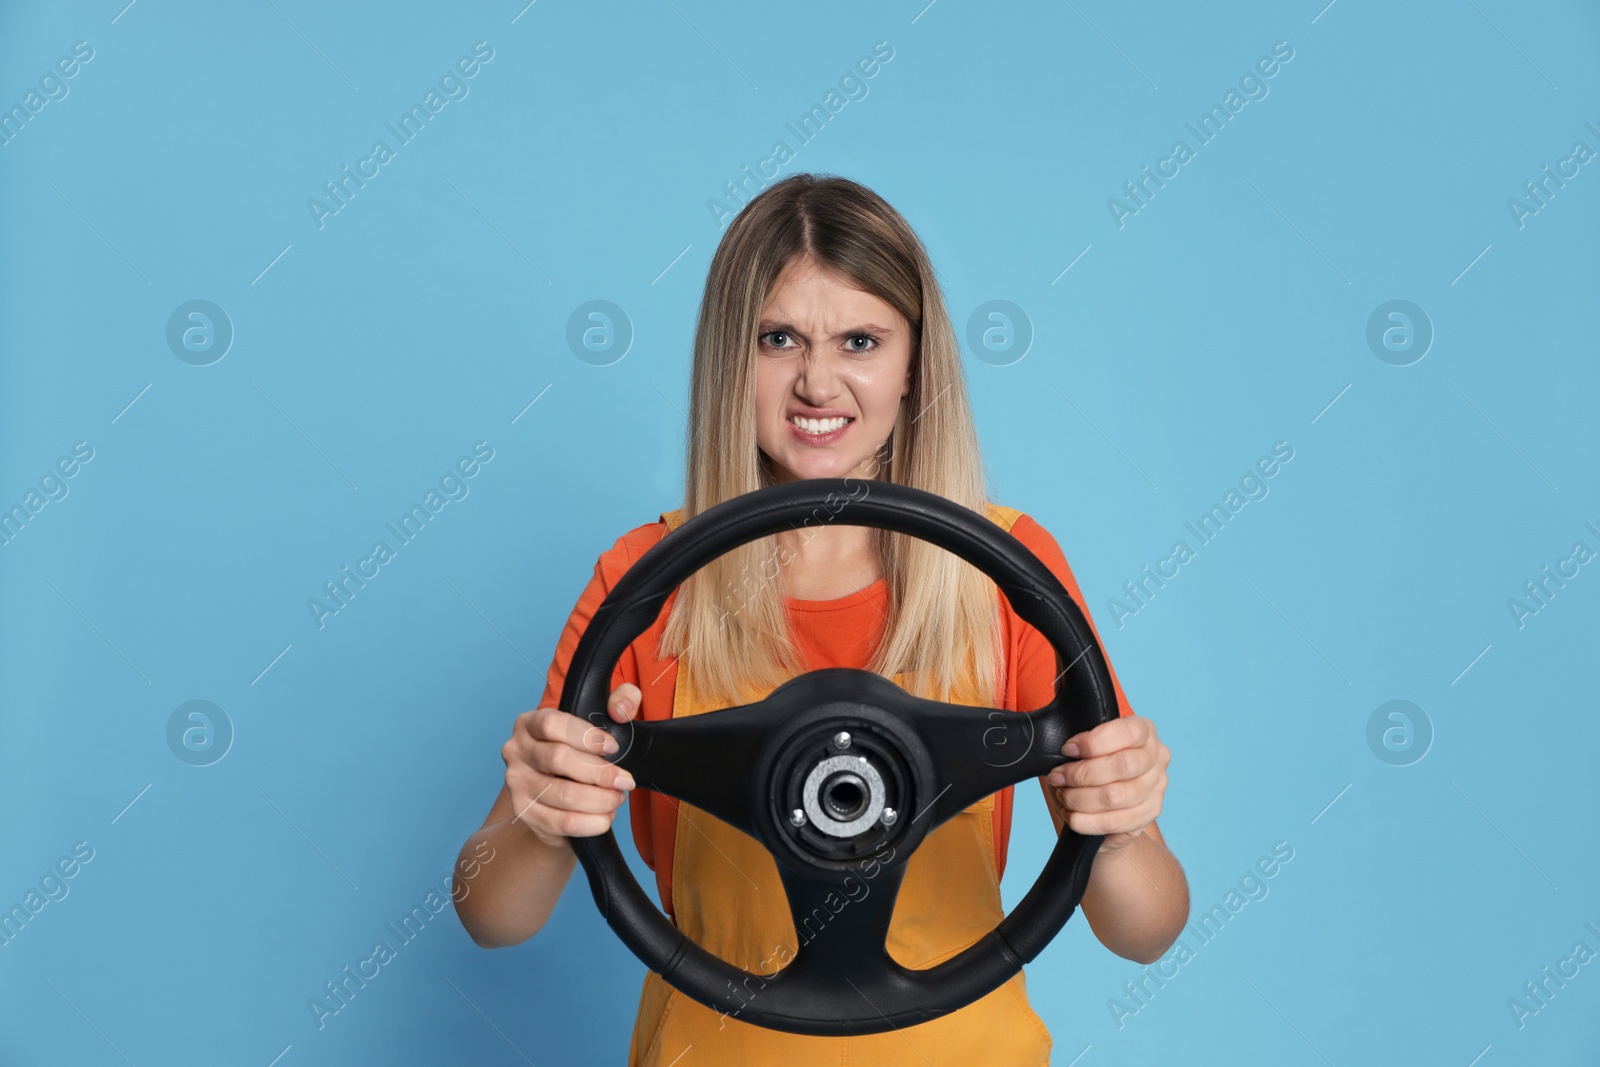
x=825, y=303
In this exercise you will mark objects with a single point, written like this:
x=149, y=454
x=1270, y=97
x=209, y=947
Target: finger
x=563, y=794
x=1117, y=821
x=1115, y=796
x=553, y=724
x=564, y=761
x=1121, y=765
x=1103, y=823
x=554, y=824
x=1125, y=732
x=624, y=702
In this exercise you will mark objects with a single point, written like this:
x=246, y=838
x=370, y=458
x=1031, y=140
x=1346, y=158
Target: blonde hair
x=728, y=622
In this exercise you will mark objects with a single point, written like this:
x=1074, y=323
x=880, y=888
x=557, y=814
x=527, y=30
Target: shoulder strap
x=1002, y=516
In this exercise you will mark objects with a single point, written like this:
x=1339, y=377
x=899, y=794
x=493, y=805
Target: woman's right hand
x=559, y=783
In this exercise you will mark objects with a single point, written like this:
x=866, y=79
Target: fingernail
x=609, y=744
x=624, y=781
x=1072, y=748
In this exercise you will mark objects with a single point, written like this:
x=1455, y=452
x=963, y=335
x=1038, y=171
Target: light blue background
x=1228, y=314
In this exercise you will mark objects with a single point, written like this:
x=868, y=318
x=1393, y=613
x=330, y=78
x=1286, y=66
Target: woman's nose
x=818, y=377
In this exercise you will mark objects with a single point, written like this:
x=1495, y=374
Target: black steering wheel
x=835, y=764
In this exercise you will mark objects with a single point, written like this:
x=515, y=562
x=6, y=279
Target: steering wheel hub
x=842, y=793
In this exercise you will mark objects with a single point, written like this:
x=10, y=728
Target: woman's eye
x=858, y=343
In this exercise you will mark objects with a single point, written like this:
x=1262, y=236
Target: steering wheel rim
x=900, y=731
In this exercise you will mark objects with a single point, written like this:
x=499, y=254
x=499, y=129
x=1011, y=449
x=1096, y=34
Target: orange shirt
x=830, y=633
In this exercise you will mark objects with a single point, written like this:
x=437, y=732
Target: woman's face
x=838, y=360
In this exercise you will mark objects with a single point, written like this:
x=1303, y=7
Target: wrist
x=514, y=831
x=1119, y=842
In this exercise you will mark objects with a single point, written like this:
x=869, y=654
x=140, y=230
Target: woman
x=823, y=350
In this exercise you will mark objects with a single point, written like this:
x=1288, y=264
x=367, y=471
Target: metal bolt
x=841, y=739
x=889, y=816
x=798, y=817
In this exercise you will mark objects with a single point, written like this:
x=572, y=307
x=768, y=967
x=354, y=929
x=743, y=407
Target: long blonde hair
x=728, y=621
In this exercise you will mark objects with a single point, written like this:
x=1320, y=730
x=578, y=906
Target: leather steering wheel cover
x=1035, y=594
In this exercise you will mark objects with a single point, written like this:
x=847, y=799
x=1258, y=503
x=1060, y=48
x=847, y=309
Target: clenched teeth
x=819, y=426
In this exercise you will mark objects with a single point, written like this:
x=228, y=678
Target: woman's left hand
x=1116, y=785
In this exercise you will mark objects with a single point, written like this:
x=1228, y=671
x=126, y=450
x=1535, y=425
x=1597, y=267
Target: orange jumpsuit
x=722, y=888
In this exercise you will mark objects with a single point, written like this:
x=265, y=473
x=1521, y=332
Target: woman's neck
x=825, y=563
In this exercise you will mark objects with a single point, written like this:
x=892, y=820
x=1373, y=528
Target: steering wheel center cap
x=845, y=776
x=843, y=795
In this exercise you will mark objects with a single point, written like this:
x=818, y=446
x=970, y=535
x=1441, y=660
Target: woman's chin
x=817, y=463
x=812, y=467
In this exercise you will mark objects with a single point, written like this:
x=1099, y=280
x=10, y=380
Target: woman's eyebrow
x=768, y=325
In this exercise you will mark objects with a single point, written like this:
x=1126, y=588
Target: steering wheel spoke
x=1014, y=747
x=841, y=924
x=701, y=760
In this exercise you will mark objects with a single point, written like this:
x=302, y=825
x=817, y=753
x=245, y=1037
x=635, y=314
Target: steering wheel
x=837, y=763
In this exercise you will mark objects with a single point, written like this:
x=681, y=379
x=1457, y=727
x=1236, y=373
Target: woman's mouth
x=819, y=431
